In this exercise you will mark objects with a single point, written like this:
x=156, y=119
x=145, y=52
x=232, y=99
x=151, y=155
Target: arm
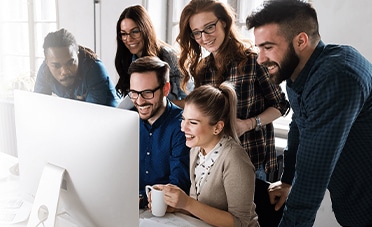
x=178, y=199
x=266, y=117
x=100, y=89
x=43, y=76
x=278, y=191
x=179, y=160
x=330, y=105
x=270, y=102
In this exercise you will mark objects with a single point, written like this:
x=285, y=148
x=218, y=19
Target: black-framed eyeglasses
x=209, y=29
x=146, y=94
x=134, y=34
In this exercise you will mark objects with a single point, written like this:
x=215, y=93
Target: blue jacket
x=91, y=85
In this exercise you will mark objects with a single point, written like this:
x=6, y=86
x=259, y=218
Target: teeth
x=271, y=67
x=144, y=107
x=189, y=136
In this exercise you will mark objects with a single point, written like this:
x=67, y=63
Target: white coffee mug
x=158, y=206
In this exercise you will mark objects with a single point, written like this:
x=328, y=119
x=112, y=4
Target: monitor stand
x=44, y=209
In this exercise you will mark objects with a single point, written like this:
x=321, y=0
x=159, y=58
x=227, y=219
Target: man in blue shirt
x=74, y=72
x=330, y=137
x=164, y=156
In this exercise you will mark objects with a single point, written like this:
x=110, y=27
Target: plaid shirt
x=255, y=94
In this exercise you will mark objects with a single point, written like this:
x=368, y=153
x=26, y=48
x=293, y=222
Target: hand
x=243, y=126
x=278, y=193
x=174, y=197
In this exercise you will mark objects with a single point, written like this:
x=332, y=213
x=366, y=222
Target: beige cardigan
x=230, y=185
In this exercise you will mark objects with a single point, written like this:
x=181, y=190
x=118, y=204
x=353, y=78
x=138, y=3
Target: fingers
x=280, y=203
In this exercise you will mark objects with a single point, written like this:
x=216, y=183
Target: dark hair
x=123, y=56
x=64, y=38
x=217, y=103
x=292, y=16
x=232, y=49
x=151, y=64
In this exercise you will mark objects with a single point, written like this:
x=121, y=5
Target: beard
x=287, y=67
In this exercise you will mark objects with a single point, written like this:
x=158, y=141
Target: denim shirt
x=92, y=83
x=164, y=156
x=330, y=138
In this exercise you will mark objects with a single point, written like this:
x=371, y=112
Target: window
x=23, y=26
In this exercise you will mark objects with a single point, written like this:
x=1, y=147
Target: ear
x=219, y=127
x=166, y=88
x=301, y=41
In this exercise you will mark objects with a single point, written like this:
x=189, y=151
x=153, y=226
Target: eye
x=135, y=31
x=196, y=34
x=193, y=122
x=209, y=27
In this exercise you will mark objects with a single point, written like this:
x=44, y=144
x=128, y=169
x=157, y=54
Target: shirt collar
x=300, y=81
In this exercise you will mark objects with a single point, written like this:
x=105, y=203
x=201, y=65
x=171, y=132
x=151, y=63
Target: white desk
x=9, y=187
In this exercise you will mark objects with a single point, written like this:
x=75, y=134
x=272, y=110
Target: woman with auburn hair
x=210, y=25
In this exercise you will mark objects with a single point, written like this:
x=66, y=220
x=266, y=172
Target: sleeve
x=290, y=153
x=274, y=96
x=329, y=106
x=42, y=83
x=100, y=89
x=239, y=180
x=179, y=161
x=175, y=75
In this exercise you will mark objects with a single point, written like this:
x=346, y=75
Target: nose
x=262, y=58
x=183, y=126
x=65, y=71
x=140, y=100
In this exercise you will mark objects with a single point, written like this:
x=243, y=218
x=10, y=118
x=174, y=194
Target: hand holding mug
x=158, y=205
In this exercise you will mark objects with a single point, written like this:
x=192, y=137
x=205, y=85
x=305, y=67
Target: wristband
x=258, y=123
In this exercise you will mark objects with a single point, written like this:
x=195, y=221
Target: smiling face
x=148, y=109
x=198, y=131
x=275, y=52
x=201, y=22
x=63, y=64
x=134, y=45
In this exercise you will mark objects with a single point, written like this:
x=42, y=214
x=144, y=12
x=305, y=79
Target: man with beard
x=73, y=71
x=164, y=156
x=330, y=91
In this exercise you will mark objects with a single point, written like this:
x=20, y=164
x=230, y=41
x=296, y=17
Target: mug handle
x=148, y=188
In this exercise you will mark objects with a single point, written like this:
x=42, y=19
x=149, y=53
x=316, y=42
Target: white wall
x=346, y=22
x=78, y=18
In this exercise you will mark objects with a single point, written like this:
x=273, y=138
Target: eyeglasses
x=209, y=29
x=134, y=34
x=146, y=94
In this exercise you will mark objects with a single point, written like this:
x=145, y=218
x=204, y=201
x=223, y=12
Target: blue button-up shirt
x=164, y=156
x=92, y=83
x=330, y=138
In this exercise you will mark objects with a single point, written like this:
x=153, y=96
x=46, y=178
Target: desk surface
x=9, y=187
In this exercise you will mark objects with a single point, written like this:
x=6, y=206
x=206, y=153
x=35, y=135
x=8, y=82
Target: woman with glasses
x=136, y=37
x=210, y=25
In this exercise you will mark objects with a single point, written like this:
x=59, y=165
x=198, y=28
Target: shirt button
x=150, y=133
x=147, y=172
x=148, y=153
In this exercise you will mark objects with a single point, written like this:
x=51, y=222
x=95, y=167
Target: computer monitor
x=96, y=146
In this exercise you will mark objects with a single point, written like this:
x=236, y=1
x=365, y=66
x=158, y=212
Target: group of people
x=206, y=148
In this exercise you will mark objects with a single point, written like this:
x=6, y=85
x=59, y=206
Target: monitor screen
x=98, y=147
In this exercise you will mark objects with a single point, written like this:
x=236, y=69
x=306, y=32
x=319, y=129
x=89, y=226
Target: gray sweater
x=230, y=185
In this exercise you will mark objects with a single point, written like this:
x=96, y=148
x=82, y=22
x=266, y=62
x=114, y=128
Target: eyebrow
x=129, y=29
x=205, y=25
x=266, y=43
